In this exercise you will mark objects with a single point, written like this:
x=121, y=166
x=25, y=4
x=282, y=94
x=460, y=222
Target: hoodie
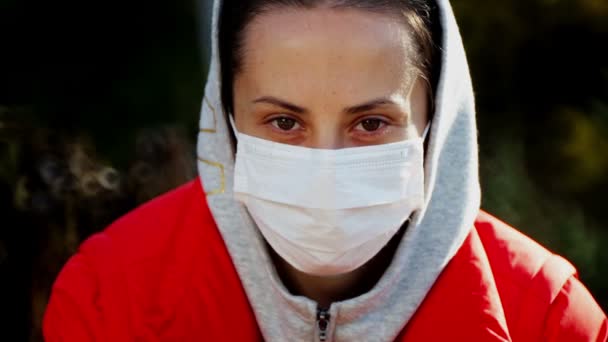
x=192, y=266
x=433, y=237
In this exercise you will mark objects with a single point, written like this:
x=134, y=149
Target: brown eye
x=371, y=125
x=285, y=123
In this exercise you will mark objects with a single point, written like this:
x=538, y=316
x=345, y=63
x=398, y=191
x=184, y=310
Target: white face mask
x=327, y=212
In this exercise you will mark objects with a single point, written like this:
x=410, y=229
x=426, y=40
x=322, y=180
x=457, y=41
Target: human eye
x=370, y=125
x=285, y=123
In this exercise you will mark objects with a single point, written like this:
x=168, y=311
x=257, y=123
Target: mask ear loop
x=233, y=125
x=426, y=131
x=424, y=144
x=234, y=139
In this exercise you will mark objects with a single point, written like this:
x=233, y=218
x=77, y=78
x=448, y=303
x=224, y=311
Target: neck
x=326, y=290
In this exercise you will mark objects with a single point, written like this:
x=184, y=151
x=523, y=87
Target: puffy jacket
x=162, y=273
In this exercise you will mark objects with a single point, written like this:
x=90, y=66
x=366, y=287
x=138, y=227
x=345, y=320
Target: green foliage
x=542, y=94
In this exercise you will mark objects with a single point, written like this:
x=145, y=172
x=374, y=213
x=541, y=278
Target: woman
x=338, y=200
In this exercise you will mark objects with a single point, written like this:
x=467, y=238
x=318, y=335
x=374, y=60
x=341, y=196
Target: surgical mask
x=328, y=212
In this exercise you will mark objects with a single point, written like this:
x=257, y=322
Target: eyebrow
x=367, y=106
x=280, y=103
x=364, y=107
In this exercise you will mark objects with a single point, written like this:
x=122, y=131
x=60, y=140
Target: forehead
x=293, y=22
x=339, y=48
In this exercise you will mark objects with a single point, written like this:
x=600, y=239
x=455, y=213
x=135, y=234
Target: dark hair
x=237, y=14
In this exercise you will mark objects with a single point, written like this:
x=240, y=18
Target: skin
x=330, y=78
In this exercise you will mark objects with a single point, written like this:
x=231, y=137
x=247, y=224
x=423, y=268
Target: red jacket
x=162, y=273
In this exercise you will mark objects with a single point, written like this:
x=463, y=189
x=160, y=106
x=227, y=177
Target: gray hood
x=434, y=235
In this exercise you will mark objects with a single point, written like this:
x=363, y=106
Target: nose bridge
x=327, y=136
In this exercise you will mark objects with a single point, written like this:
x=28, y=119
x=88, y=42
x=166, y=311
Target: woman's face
x=326, y=78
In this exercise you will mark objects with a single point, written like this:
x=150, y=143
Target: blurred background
x=99, y=104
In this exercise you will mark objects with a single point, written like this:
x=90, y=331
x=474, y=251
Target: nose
x=329, y=138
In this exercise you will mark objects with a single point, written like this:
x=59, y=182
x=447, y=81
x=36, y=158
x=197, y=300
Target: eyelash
x=383, y=123
x=273, y=122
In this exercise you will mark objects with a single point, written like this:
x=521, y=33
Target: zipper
x=323, y=318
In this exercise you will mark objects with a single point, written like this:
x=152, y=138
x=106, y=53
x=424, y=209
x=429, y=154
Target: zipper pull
x=323, y=318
